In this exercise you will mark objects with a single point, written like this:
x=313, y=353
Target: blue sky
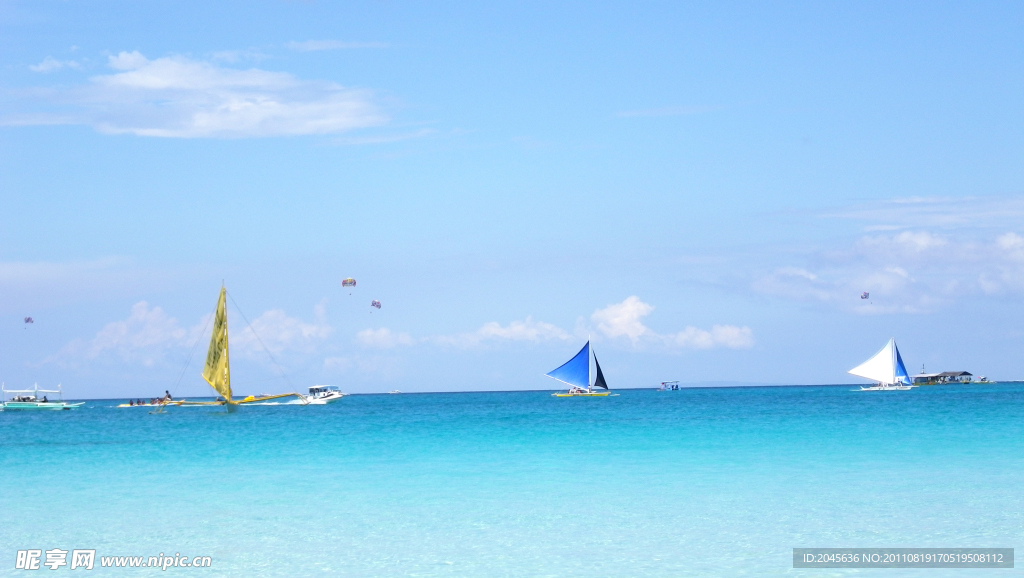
x=704, y=189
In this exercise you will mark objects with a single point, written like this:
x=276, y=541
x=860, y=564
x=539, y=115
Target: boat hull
x=324, y=400
x=601, y=394
x=39, y=406
x=888, y=388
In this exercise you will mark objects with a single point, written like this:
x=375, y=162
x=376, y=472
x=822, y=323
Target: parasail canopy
x=865, y=295
x=348, y=282
x=375, y=303
x=29, y=320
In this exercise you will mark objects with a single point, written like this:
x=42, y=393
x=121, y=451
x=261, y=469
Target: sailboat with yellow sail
x=217, y=371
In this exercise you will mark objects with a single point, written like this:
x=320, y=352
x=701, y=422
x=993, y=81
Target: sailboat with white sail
x=886, y=369
x=576, y=374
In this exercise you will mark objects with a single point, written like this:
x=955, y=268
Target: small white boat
x=23, y=401
x=324, y=394
x=394, y=391
x=886, y=369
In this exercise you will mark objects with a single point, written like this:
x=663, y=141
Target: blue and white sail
x=886, y=367
x=576, y=371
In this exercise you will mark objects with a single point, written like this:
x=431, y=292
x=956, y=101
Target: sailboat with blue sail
x=576, y=374
x=886, y=369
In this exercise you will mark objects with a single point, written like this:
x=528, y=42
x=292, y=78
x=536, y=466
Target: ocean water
x=717, y=482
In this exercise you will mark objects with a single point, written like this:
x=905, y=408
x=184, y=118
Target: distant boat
x=394, y=391
x=886, y=369
x=24, y=401
x=576, y=374
x=669, y=386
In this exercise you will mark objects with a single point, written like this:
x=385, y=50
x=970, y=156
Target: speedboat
x=324, y=394
x=24, y=401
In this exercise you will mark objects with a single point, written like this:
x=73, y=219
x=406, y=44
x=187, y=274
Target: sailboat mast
x=590, y=350
x=893, y=380
x=227, y=357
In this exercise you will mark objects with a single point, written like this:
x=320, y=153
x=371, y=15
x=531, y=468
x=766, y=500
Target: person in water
x=131, y=402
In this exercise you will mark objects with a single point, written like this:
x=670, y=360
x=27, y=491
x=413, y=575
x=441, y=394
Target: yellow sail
x=217, y=372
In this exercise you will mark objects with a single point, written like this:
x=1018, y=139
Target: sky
x=704, y=190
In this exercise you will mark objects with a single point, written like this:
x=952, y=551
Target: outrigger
x=23, y=401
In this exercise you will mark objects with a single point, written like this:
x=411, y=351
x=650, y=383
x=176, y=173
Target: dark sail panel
x=599, y=382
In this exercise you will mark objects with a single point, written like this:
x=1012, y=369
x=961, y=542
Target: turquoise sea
x=698, y=482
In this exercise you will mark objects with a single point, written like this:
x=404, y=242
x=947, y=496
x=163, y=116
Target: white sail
x=885, y=367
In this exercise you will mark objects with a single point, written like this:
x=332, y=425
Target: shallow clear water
x=694, y=482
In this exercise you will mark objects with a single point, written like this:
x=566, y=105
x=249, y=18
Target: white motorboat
x=22, y=400
x=324, y=394
x=886, y=369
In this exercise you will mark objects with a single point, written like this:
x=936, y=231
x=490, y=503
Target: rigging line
x=191, y=353
x=265, y=348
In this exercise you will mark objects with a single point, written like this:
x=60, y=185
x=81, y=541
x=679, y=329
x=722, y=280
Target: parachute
x=865, y=295
x=29, y=320
x=349, y=282
x=375, y=303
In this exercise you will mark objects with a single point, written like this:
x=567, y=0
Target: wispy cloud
x=50, y=64
x=668, y=111
x=383, y=338
x=144, y=337
x=625, y=319
x=527, y=330
x=317, y=45
x=911, y=271
x=278, y=332
x=384, y=139
x=617, y=321
x=179, y=97
x=934, y=213
x=149, y=334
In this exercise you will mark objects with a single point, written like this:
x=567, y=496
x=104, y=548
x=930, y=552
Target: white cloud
x=49, y=64
x=144, y=337
x=908, y=272
x=619, y=320
x=179, y=97
x=383, y=338
x=525, y=330
x=720, y=336
x=278, y=332
x=149, y=333
x=318, y=45
x=624, y=320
